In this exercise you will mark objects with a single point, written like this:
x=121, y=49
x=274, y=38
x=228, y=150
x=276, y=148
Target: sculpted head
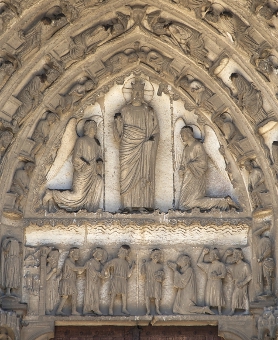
x=214, y=254
x=137, y=95
x=74, y=254
x=248, y=165
x=238, y=254
x=156, y=255
x=53, y=258
x=90, y=128
x=6, y=138
x=99, y=254
x=183, y=261
x=187, y=134
x=124, y=251
x=51, y=118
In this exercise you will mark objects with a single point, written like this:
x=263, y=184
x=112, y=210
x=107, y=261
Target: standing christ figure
x=136, y=129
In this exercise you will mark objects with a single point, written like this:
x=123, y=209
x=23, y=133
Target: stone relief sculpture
x=69, y=100
x=32, y=94
x=67, y=286
x=267, y=324
x=6, y=137
x=87, y=177
x=11, y=251
x=20, y=186
x=42, y=132
x=185, y=283
x=154, y=276
x=256, y=186
x=198, y=6
x=137, y=131
x=8, y=12
x=216, y=272
x=266, y=264
x=275, y=156
x=36, y=35
x=250, y=99
x=94, y=275
x=119, y=270
x=241, y=275
x=192, y=170
x=52, y=281
x=8, y=65
x=236, y=142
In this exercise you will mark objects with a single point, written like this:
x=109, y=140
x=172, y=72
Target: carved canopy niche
x=145, y=125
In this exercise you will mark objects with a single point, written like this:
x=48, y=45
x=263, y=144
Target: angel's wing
x=67, y=144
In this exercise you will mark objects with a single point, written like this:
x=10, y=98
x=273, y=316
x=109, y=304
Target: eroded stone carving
x=68, y=101
x=198, y=6
x=67, y=286
x=8, y=65
x=119, y=270
x=8, y=12
x=216, y=272
x=236, y=142
x=256, y=186
x=192, y=170
x=20, y=186
x=154, y=276
x=241, y=275
x=185, y=283
x=35, y=36
x=137, y=131
x=250, y=99
x=32, y=94
x=87, y=178
x=52, y=281
x=6, y=137
x=11, y=251
x=267, y=324
x=42, y=132
x=266, y=265
x=94, y=275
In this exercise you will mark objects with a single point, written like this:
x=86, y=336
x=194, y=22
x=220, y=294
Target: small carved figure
x=70, y=100
x=93, y=281
x=193, y=168
x=69, y=280
x=194, y=5
x=8, y=65
x=6, y=138
x=216, y=272
x=185, y=283
x=267, y=324
x=241, y=274
x=70, y=11
x=255, y=5
x=256, y=185
x=52, y=281
x=42, y=132
x=266, y=265
x=10, y=264
x=249, y=99
x=154, y=276
x=136, y=129
x=119, y=270
x=7, y=13
x=41, y=31
x=87, y=177
x=191, y=42
x=238, y=30
x=20, y=185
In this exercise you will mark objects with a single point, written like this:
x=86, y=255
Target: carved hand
x=205, y=251
x=172, y=265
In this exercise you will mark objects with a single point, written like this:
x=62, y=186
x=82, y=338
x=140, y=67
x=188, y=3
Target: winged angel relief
x=193, y=170
x=84, y=152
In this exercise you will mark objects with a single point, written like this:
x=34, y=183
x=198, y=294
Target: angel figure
x=87, y=179
x=193, y=168
x=93, y=280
